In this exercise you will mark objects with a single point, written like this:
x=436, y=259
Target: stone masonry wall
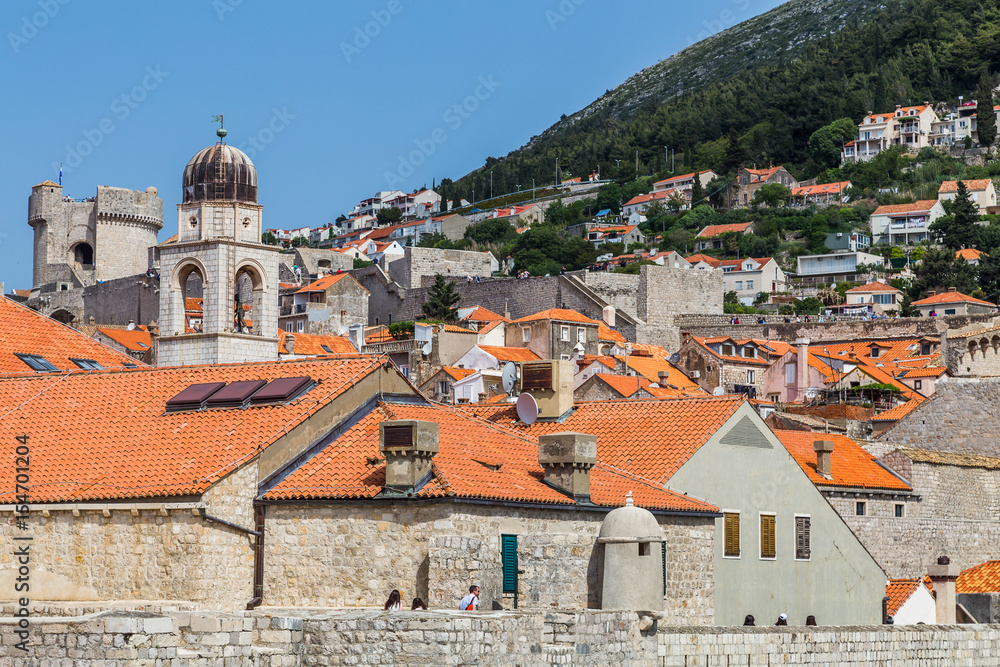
x=665, y=294
x=419, y=263
x=962, y=416
x=134, y=298
x=291, y=639
x=618, y=289
x=353, y=556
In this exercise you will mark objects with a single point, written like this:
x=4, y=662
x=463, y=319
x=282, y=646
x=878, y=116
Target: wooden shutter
x=397, y=436
x=802, y=538
x=508, y=556
x=536, y=376
x=732, y=531
x=767, y=542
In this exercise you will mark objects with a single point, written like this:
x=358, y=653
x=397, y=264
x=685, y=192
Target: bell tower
x=217, y=249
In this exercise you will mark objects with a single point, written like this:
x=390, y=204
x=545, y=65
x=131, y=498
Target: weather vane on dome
x=222, y=130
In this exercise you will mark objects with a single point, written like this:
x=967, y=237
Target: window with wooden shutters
x=803, y=540
x=732, y=530
x=508, y=556
x=767, y=542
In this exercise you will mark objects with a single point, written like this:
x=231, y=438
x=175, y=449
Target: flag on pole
x=60, y=173
x=217, y=119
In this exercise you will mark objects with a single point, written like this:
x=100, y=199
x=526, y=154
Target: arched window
x=83, y=254
x=243, y=301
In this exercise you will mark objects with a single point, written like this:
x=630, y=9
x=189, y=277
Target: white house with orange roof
x=952, y=302
x=900, y=224
x=709, y=238
x=876, y=296
x=530, y=214
x=751, y=276
x=910, y=127
x=970, y=255
x=751, y=180
x=703, y=262
x=824, y=194
x=982, y=192
x=684, y=185
x=627, y=234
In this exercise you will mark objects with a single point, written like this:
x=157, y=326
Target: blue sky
x=326, y=97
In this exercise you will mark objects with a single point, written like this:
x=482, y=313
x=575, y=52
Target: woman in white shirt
x=392, y=604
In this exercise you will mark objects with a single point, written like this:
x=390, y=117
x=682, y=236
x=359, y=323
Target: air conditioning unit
x=550, y=382
x=695, y=375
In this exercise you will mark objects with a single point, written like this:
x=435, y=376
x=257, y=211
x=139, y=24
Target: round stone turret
x=203, y=181
x=632, y=567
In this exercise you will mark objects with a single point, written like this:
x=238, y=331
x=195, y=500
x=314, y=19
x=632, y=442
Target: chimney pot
x=408, y=446
x=824, y=454
x=931, y=293
x=567, y=459
x=952, y=289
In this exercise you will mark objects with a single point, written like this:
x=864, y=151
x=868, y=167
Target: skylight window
x=87, y=364
x=327, y=348
x=37, y=363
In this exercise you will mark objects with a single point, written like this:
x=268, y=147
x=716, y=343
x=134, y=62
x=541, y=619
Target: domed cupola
x=220, y=173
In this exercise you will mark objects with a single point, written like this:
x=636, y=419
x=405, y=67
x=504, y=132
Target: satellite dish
x=675, y=358
x=527, y=409
x=131, y=326
x=811, y=392
x=426, y=349
x=342, y=330
x=509, y=376
x=718, y=391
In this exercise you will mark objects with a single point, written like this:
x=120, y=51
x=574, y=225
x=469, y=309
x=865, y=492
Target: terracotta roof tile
x=481, y=314
x=651, y=367
x=327, y=281
x=475, y=459
x=708, y=259
x=312, y=344
x=899, y=591
x=715, y=230
x=604, y=332
x=983, y=578
x=558, y=314
x=875, y=286
x=951, y=297
x=850, y=465
x=458, y=373
x=106, y=435
x=821, y=189
x=24, y=331
x=898, y=412
x=137, y=340
x=651, y=438
x=922, y=206
x=509, y=353
x=973, y=185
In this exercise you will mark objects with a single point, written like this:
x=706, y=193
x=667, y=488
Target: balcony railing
x=393, y=346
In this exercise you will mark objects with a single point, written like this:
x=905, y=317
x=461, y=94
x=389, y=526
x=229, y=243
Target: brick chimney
x=567, y=459
x=824, y=456
x=408, y=446
x=802, y=369
x=943, y=576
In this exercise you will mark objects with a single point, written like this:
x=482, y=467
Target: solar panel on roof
x=194, y=396
x=235, y=394
x=281, y=390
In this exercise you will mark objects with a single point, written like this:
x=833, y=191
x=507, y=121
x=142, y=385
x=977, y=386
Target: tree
x=610, y=196
x=958, y=230
x=267, y=238
x=299, y=241
x=826, y=143
x=388, y=216
x=441, y=299
x=675, y=202
x=986, y=118
x=361, y=263
x=735, y=154
x=772, y=195
x=940, y=270
x=697, y=191
x=340, y=218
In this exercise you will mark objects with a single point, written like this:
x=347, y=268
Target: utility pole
x=491, y=184
x=557, y=171
x=673, y=154
x=637, y=163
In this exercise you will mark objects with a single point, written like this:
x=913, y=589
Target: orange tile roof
x=137, y=340
x=106, y=435
x=970, y=254
x=821, y=189
x=626, y=385
x=458, y=373
x=851, y=466
x=927, y=372
x=703, y=344
x=326, y=281
x=715, y=230
x=193, y=304
x=604, y=332
x=983, y=578
x=951, y=297
x=481, y=314
x=875, y=286
x=312, y=344
x=973, y=185
x=456, y=329
x=657, y=351
x=899, y=591
x=651, y=438
x=763, y=174
x=651, y=367
x=711, y=261
x=509, y=353
x=475, y=459
x=25, y=331
x=900, y=411
x=922, y=206
x=558, y=314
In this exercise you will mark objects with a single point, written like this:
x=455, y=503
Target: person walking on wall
x=392, y=604
x=471, y=601
x=782, y=619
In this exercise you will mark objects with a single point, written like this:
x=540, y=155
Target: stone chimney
x=408, y=447
x=943, y=576
x=608, y=315
x=290, y=343
x=931, y=293
x=952, y=289
x=802, y=369
x=824, y=456
x=567, y=459
x=664, y=377
x=356, y=334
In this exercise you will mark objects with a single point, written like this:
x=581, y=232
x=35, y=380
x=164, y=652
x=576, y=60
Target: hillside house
x=877, y=297
x=751, y=180
x=901, y=224
x=851, y=241
x=982, y=192
x=627, y=234
x=684, y=184
x=970, y=255
x=833, y=267
x=826, y=194
x=952, y=302
x=326, y=306
x=751, y=276
x=910, y=127
x=711, y=237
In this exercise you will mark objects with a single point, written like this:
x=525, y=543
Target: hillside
x=755, y=93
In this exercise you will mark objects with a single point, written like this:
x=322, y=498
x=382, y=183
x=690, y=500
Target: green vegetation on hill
x=802, y=79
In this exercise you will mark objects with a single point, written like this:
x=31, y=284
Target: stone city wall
x=293, y=638
x=827, y=331
x=135, y=298
x=418, y=263
x=354, y=555
x=665, y=294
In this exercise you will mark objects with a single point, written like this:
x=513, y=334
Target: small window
x=644, y=548
x=767, y=540
x=300, y=326
x=739, y=284
x=37, y=363
x=732, y=534
x=88, y=364
x=876, y=352
x=326, y=348
x=749, y=284
x=918, y=384
x=803, y=539
x=899, y=510
x=859, y=508
x=581, y=335
x=442, y=387
x=508, y=559
x=949, y=311
x=727, y=350
x=750, y=377
x=564, y=333
x=526, y=335
x=564, y=357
